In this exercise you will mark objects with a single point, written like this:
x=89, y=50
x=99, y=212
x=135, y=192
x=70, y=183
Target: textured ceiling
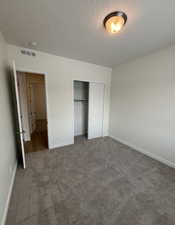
x=73, y=28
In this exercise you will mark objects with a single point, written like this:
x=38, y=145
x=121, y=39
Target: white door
x=96, y=108
x=22, y=89
x=20, y=130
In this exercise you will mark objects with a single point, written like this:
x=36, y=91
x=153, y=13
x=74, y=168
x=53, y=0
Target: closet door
x=96, y=108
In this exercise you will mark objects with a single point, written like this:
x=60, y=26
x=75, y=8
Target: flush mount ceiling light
x=114, y=21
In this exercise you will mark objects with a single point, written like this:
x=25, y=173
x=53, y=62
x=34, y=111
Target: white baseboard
x=61, y=145
x=9, y=195
x=151, y=155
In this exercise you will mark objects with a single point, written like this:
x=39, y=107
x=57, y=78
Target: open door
x=19, y=122
x=96, y=108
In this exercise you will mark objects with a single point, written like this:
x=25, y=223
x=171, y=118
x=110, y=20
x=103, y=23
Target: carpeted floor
x=97, y=182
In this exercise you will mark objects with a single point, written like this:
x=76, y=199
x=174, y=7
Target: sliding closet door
x=96, y=107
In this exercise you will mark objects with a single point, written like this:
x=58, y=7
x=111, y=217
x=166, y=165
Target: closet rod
x=80, y=100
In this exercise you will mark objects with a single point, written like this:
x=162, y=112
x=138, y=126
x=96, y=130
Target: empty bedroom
x=87, y=112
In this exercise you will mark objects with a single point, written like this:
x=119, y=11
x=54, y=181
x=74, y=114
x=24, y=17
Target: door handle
x=21, y=132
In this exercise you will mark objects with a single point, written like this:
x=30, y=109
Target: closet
x=81, y=92
x=88, y=109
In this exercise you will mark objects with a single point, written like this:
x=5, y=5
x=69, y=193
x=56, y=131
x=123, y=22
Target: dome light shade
x=114, y=22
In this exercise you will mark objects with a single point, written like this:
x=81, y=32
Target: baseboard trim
x=60, y=145
x=9, y=195
x=151, y=155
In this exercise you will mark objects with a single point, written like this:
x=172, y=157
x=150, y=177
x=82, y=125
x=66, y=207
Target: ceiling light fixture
x=114, y=21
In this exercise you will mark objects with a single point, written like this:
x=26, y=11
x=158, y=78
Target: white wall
x=7, y=141
x=60, y=75
x=143, y=104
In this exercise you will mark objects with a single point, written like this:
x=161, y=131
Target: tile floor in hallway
x=95, y=182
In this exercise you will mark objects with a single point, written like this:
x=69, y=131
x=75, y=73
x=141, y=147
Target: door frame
x=46, y=94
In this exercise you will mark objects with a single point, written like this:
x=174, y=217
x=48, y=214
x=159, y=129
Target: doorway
x=32, y=99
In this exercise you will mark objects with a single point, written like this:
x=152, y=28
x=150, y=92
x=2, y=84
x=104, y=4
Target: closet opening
x=32, y=101
x=81, y=102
